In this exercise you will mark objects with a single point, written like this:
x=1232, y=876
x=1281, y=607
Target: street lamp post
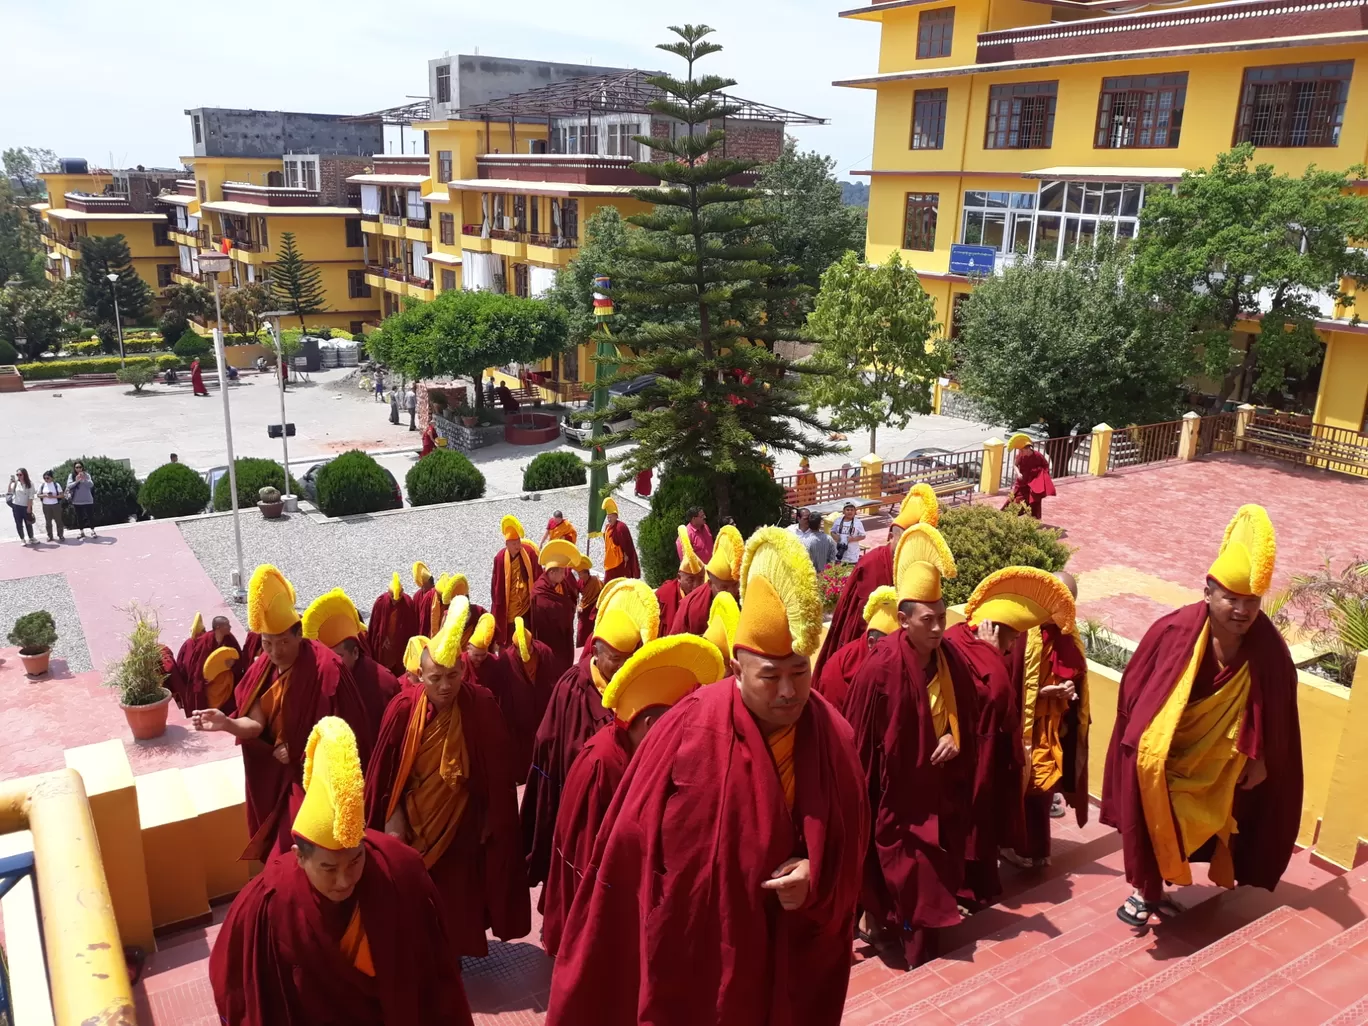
x=272, y=317
x=118, y=325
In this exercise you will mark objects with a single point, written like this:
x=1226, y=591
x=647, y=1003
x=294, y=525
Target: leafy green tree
x=102, y=255
x=876, y=325
x=36, y=313
x=605, y=237
x=1071, y=344
x=243, y=306
x=1237, y=238
x=699, y=277
x=194, y=301
x=296, y=284
x=25, y=163
x=21, y=253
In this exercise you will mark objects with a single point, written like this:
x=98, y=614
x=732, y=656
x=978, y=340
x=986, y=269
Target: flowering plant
x=831, y=582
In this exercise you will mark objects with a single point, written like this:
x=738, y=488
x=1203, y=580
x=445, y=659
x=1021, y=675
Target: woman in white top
x=21, y=504
x=51, y=493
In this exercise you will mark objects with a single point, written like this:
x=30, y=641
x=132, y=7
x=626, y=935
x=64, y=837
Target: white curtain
x=478, y=270
x=417, y=209
x=484, y=215
x=370, y=199
x=192, y=223
x=540, y=280
x=251, y=272
x=420, y=264
x=185, y=264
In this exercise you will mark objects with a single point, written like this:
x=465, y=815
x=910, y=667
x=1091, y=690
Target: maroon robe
x=251, y=648
x=589, y=790
x=1033, y=482
x=174, y=680
x=480, y=879
x=377, y=686
x=1269, y=815
x=874, y=570
x=552, y=620
x=503, y=623
x=694, y=610
x=630, y=565
x=840, y=670
x=277, y=961
x=391, y=625
x=921, y=812
x=671, y=927
x=522, y=697
x=320, y=685
x=574, y=714
x=670, y=598
x=1000, y=761
x=422, y=611
x=588, y=614
x=190, y=663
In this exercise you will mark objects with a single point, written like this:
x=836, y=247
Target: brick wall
x=754, y=140
x=333, y=173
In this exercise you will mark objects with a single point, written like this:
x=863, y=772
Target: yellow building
x=1021, y=127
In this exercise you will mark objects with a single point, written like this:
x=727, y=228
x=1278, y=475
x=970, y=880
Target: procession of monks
x=713, y=817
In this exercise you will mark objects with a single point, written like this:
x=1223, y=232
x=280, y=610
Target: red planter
x=148, y=721
x=531, y=428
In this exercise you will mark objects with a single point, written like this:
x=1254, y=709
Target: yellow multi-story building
x=1013, y=126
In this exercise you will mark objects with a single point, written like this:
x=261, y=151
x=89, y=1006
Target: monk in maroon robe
x=619, y=551
x=554, y=600
x=589, y=587
x=1033, y=481
x=422, y=599
x=174, y=681
x=881, y=616
x=393, y=620
x=197, y=378
x=722, y=573
x=521, y=678
x=516, y=570
x=251, y=649
x=672, y=593
x=190, y=663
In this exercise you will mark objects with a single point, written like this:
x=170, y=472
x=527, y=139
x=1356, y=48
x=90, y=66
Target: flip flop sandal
x=1136, y=912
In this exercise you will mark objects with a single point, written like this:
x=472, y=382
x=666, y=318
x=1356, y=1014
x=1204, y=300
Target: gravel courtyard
x=51, y=592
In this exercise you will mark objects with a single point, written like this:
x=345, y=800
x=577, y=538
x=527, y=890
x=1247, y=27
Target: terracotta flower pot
x=271, y=510
x=37, y=664
x=148, y=721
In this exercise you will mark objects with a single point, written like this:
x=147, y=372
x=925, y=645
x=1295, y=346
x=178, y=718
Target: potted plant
x=35, y=634
x=437, y=402
x=139, y=675
x=269, y=502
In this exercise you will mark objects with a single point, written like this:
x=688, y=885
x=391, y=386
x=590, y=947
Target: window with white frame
x=1055, y=219
x=998, y=219
x=301, y=172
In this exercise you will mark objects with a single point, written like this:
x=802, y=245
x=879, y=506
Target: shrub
x=189, y=346
x=1102, y=647
x=831, y=582
x=173, y=325
x=148, y=344
x=8, y=354
x=755, y=502
x=173, y=490
x=89, y=347
x=48, y=370
x=443, y=476
x=985, y=539
x=116, y=490
x=34, y=632
x=353, y=483
x=138, y=676
x=137, y=375
x=253, y=474
x=554, y=470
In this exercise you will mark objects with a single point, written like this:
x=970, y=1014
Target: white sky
x=110, y=82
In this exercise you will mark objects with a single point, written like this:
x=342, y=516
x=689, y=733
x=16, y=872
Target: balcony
x=269, y=195
x=395, y=279
x=90, y=204
x=186, y=187
x=552, y=241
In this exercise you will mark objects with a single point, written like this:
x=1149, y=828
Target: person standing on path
x=20, y=500
x=81, y=491
x=846, y=533
x=52, y=495
x=411, y=404
x=379, y=385
x=197, y=378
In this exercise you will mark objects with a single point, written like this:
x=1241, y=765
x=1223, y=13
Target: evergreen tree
x=21, y=253
x=699, y=277
x=102, y=255
x=296, y=284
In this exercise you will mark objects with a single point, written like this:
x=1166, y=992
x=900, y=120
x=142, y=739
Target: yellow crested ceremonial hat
x=781, y=612
x=584, y=563
x=197, y=625
x=919, y=506
x=396, y=590
x=728, y=551
x=451, y=586
x=332, y=618
x=1019, y=441
x=270, y=602
x=483, y=634
x=446, y=645
x=1021, y=597
x=610, y=505
x=421, y=574
x=220, y=660
x=723, y=617
x=559, y=552
x=1248, y=552
x=689, y=563
x=413, y=653
x=919, y=562
x=522, y=638
x=881, y=611
x=332, y=814
x=511, y=527
x=661, y=672
x=628, y=614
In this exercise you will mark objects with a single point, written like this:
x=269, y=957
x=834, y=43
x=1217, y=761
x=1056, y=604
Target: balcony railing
x=507, y=235
x=244, y=244
x=552, y=241
x=398, y=274
x=392, y=219
x=475, y=229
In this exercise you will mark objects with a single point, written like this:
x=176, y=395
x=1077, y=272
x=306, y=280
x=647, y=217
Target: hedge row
x=131, y=345
x=47, y=370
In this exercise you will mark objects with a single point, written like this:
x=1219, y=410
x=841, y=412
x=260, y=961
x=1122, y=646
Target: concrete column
x=871, y=476
x=1187, y=441
x=1346, y=807
x=1244, y=413
x=990, y=478
x=218, y=791
x=1099, y=455
x=175, y=872
x=936, y=389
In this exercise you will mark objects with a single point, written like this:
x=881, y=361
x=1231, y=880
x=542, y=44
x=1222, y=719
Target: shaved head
x=219, y=621
x=1068, y=580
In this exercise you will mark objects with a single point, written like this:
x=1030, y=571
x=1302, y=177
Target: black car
x=309, y=485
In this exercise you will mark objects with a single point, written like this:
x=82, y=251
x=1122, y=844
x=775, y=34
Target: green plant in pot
x=269, y=502
x=35, y=634
x=140, y=675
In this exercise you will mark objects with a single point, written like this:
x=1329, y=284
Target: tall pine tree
x=102, y=255
x=296, y=284
x=698, y=275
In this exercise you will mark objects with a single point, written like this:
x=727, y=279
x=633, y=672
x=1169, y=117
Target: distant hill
x=855, y=194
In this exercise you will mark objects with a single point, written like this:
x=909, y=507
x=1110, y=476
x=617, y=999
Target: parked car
x=308, y=485
x=578, y=429
x=211, y=478
x=935, y=458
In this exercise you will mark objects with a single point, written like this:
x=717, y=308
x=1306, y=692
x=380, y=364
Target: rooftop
x=233, y=207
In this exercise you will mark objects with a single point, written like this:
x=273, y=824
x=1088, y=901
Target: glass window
x=1021, y=116
x=1139, y=111
x=1052, y=196
x=446, y=229
x=444, y=83
x=919, y=220
x=1293, y=104
x=448, y=280
x=1047, y=237
x=998, y=219
x=935, y=31
x=443, y=165
x=928, y=119
x=354, y=237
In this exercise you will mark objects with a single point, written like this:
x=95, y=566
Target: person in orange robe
x=654, y=678
x=1205, y=761
x=1033, y=483
x=220, y=673
x=881, y=617
x=521, y=677
x=874, y=570
x=429, y=440
x=554, y=600
x=723, y=882
x=332, y=619
x=590, y=586
x=690, y=576
x=516, y=570
x=422, y=598
x=558, y=528
x=441, y=780
x=628, y=617
x=723, y=573
x=619, y=551
x=393, y=620
x=805, y=490
x=912, y=709
x=344, y=928
x=279, y=699
x=193, y=654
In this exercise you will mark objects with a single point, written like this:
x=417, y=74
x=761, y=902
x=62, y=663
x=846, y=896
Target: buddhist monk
x=393, y=620
x=172, y=677
x=628, y=617
x=1006, y=604
x=560, y=528
x=1033, y=482
x=554, y=601
x=180, y=685
x=332, y=619
x=723, y=621
x=346, y=927
x=874, y=570
x=690, y=576
x=221, y=675
x=654, y=678
x=251, y=649
x=589, y=589
x=881, y=619
x=516, y=569
x=912, y=709
x=722, y=572
x=1205, y=759
x=278, y=701
x=194, y=653
x=439, y=599
x=1050, y=671
x=521, y=677
x=441, y=781
x=805, y=491
x=619, y=551
x=422, y=598
x=723, y=883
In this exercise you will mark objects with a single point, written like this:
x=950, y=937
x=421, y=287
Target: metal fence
x=1216, y=434
x=1145, y=443
x=1068, y=456
x=1297, y=439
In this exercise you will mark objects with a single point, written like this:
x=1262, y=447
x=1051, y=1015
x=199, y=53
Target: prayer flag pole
x=603, y=370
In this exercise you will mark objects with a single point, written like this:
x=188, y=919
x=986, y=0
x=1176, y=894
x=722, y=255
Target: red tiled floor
x=1185, y=998
x=1340, y=981
x=1291, y=1004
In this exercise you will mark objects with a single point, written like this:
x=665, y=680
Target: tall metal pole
x=118, y=325
x=239, y=584
x=598, y=473
x=282, y=371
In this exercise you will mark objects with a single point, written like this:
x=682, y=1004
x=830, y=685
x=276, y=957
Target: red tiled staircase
x=1050, y=952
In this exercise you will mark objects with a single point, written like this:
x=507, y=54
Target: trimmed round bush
x=116, y=490
x=443, y=476
x=353, y=483
x=173, y=490
x=253, y=474
x=554, y=470
x=8, y=354
x=189, y=346
x=985, y=539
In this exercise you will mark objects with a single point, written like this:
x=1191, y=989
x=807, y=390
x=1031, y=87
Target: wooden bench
x=1296, y=447
x=948, y=485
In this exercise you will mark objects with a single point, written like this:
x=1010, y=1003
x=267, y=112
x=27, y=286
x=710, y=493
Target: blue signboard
x=972, y=259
